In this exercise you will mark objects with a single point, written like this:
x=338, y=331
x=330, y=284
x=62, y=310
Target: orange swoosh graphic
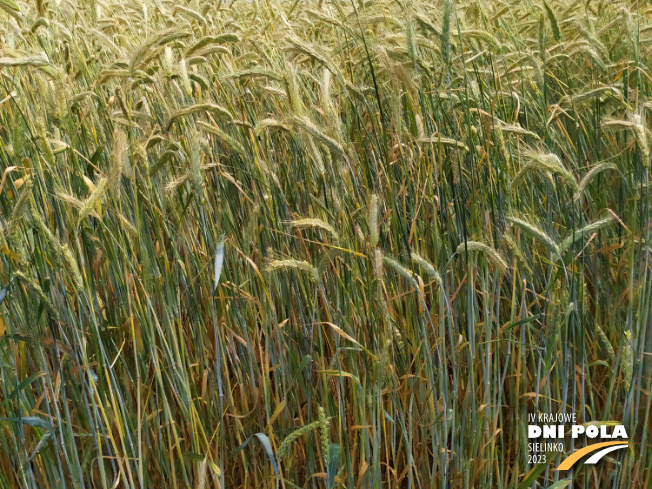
x=570, y=461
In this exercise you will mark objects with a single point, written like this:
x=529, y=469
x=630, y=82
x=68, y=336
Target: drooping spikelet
x=194, y=164
x=593, y=40
x=316, y=155
x=20, y=207
x=296, y=434
x=168, y=61
x=595, y=57
x=193, y=14
x=324, y=435
x=50, y=239
x=293, y=91
x=617, y=124
x=402, y=271
x=542, y=45
x=444, y=141
x=626, y=359
x=173, y=184
x=92, y=200
x=428, y=268
x=419, y=121
x=411, y=43
x=315, y=223
x=629, y=25
x=39, y=59
x=383, y=362
x=517, y=129
x=225, y=138
x=546, y=163
x=144, y=52
x=307, y=125
x=128, y=226
x=373, y=221
x=553, y=22
x=606, y=343
x=69, y=199
x=38, y=291
x=446, y=31
x=378, y=263
x=18, y=140
x=486, y=249
x=201, y=474
x=214, y=109
x=516, y=249
x=211, y=40
x=535, y=232
x=636, y=124
x=426, y=25
x=256, y=72
x=118, y=160
x=325, y=94
x=560, y=310
x=502, y=145
x=585, y=232
x=185, y=79
x=640, y=134
x=292, y=264
x=265, y=123
x=44, y=144
x=72, y=267
x=600, y=167
x=590, y=95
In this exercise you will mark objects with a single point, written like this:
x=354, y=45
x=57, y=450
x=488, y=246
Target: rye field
x=322, y=244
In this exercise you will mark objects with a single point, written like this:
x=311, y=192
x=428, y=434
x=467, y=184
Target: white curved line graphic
x=595, y=458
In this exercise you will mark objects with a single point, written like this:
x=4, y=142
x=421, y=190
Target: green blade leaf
x=562, y=484
x=219, y=260
x=22, y=385
x=532, y=476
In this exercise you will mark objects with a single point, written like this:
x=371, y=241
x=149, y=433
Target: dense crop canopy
x=321, y=244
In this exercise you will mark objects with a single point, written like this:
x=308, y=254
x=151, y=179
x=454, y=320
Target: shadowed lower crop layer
x=333, y=244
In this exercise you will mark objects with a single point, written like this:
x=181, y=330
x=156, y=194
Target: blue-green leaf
x=40, y=445
x=264, y=441
x=36, y=422
x=333, y=464
x=3, y=293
